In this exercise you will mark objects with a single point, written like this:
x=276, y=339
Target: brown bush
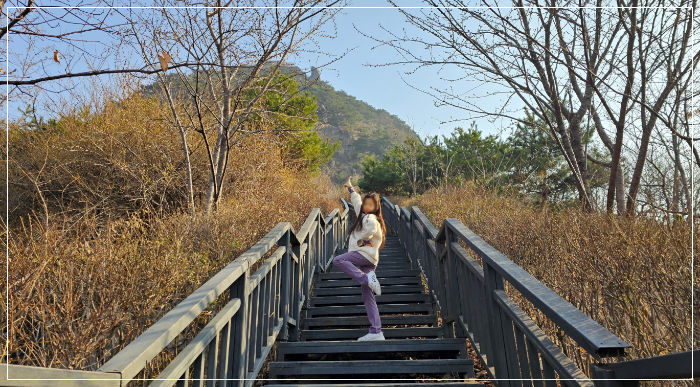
x=113, y=253
x=108, y=160
x=631, y=276
x=79, y=295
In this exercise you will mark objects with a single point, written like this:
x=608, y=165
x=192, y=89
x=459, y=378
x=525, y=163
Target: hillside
x=361, y=128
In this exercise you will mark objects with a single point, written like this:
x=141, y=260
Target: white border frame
x=7, y=173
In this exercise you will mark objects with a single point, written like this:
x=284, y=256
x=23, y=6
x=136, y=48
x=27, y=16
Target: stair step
x=318, y=311
x=374, y=367
x=342, y=347
x=354, y=334
x=353, y=291
x=381, y=269
x=351, y=283
x=384, y=261
x=383, y=299
x=328, y=322
x=381, y=272
x=436, y=384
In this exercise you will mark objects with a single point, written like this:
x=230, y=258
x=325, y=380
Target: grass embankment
x=631, y=276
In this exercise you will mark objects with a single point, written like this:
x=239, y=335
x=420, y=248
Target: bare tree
x=563, y=63
x=50, y=42
x=233, y=53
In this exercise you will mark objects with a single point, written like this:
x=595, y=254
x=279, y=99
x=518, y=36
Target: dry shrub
x=79, y=295
x=631, y=276
x=118, y=157
x=115, y=253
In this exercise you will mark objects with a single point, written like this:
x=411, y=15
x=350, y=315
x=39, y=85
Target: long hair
x=357, y=224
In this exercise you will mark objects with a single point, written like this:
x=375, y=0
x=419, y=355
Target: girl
x=366, y=233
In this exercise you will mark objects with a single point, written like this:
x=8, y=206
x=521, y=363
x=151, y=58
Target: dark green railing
x=263, y=306
x=473, y=304
x=266, y=305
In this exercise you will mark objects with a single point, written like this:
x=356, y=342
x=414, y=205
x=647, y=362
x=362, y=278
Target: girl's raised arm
x=355, y=198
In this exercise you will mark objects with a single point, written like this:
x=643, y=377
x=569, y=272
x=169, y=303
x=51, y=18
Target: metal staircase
x=413, y=349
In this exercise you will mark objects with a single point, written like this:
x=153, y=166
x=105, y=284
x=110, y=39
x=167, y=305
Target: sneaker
x=372, y=337
x=373, y=283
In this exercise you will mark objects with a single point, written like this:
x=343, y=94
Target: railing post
x=285, y=283
x=494, y=281
x=239, y=365
x=297, y=290
x=450, y=309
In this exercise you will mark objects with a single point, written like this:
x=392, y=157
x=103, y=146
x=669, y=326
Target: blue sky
x=386, y=87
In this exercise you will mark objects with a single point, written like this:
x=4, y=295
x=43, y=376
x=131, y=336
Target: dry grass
x=631, y=276
x=116, y=253
x=78, y=295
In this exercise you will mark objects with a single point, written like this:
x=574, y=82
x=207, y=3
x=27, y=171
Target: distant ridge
x=362, y=129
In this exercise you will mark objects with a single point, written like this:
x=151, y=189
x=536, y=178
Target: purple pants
x=348, y=263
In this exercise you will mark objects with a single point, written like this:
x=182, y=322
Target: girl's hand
x=348, y=184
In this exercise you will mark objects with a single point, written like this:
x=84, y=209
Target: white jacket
x=370, y=230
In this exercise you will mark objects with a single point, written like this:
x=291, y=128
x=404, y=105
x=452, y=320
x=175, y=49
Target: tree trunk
x=620, y=124
x=183, y=142
x=620, y=190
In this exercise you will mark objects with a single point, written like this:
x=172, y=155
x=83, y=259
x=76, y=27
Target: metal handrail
x=263, y=306
x=472, y=302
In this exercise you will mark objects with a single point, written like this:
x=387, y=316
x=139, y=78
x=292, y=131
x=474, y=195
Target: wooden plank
x=393, y=289
x=240, y=331
x=351, y=283
x=363, y=321
x=384, y=299
x=281, y=289
x=590, y=335
x=198, y=371
x=404, y=272
x=265, y=268
x=389, y=333
x=550, y=378
x=470, y=263
x=496, y=344
x=383, y=308
x=225, y=358
x=361, y=367
x=451, y=310
x=405, y=345
x=535, y=368
x=263, y=318
x=253, y=326
x=58, y=377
